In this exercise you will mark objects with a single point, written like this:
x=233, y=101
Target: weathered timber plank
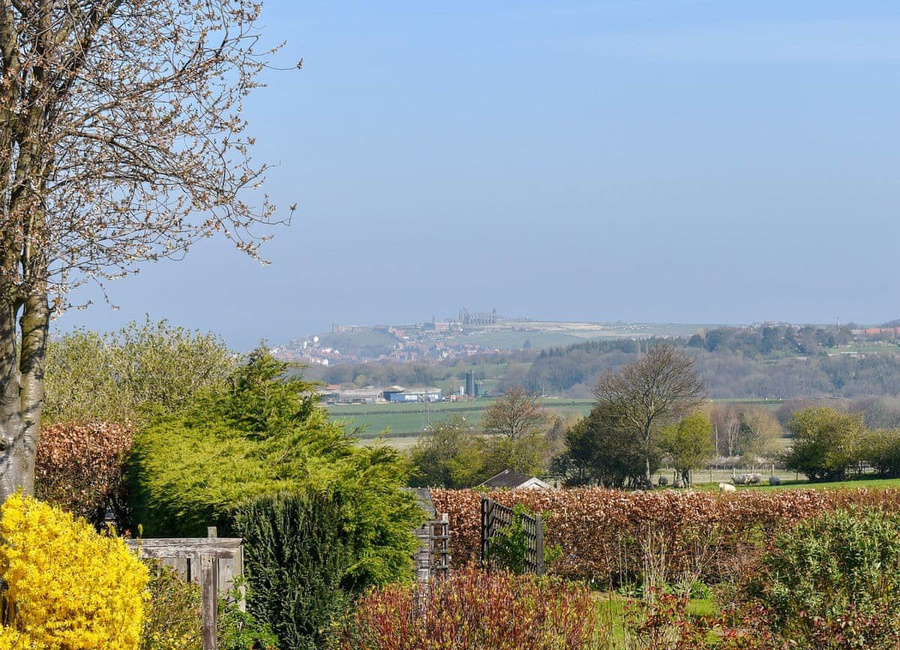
x=209, y=569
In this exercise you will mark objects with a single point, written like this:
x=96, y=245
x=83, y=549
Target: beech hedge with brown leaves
x=612, y=537
x=80, y=468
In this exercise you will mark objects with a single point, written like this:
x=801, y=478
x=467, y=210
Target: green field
x=402, y=423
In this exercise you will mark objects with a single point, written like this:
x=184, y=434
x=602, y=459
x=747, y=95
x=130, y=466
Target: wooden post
x=539, y=544
x=209, y=578
x=484, y=532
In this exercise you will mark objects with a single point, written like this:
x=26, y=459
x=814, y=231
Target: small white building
x=512, y=480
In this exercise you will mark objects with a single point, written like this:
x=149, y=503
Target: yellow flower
x=72, y=588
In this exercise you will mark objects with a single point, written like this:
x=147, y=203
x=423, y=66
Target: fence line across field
x=212, y=562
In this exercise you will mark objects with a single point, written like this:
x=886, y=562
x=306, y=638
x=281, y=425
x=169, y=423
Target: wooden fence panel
x=212, y=562
x=496, y=516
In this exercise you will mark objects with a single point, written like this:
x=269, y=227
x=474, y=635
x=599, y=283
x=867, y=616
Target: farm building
x=400, y=394
x=512, y=480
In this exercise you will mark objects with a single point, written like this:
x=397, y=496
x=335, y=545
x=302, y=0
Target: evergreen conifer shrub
x=264, y=436
x=297, y=555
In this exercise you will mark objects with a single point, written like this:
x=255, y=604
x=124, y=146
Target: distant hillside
x=778, y=362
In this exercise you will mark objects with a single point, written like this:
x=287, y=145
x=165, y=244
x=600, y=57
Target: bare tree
x=761, y=435
x=651, y=392
x=122, y=142
x=726, y=422
x=514, y=415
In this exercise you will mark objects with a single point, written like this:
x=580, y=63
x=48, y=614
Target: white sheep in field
x=727, y=487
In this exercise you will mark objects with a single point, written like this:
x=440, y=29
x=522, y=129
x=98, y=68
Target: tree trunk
x=11, y=429
x=21, y=387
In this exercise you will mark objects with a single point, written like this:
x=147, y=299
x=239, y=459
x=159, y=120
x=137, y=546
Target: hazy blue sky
x=658, y=160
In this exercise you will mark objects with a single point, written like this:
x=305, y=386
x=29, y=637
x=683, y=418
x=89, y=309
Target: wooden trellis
x=433, y=556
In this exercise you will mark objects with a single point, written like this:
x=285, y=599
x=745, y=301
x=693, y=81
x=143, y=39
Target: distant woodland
x=777, y=362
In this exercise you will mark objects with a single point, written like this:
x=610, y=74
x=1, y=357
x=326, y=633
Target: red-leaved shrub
x=477, y=610
x=612, y=537
x=80, y=468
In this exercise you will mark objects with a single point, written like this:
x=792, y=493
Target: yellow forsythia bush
x=71, y=588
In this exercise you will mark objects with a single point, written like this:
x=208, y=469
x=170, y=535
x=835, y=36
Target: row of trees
x=830, y=445
x=516, y=433
x=651, y=411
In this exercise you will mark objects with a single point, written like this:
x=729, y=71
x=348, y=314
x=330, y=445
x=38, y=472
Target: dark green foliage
x=239, y=630
x=264, y=399
x=837, y=572
x=600, y=451
x=298, y=552
x=262, y=437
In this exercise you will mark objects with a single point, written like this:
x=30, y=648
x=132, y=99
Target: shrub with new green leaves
x=264, y=436
x=173, y=619
x=297, y=555
x=826, y=443
x=689, y=444
x=882, y=449
x=117, y=377
x=834, y=581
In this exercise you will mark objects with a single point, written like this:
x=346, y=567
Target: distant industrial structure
x=400, y=394
x=371, y=395
x=473, y=388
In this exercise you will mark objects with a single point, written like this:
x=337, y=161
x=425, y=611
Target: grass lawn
x=803, y=484
x=613, y=611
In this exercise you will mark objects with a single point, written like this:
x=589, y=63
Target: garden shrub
x=173, y=620
x=241, y=630
x=472, y=610
x=834, y=581
x=267, y=435
x=80, y=468
x=70, y=587
x=296, y=556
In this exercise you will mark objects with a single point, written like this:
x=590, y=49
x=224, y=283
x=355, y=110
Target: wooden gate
x=495, y=516
x=212, y=562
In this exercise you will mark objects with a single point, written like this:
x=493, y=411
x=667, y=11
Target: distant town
x=469, y=334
